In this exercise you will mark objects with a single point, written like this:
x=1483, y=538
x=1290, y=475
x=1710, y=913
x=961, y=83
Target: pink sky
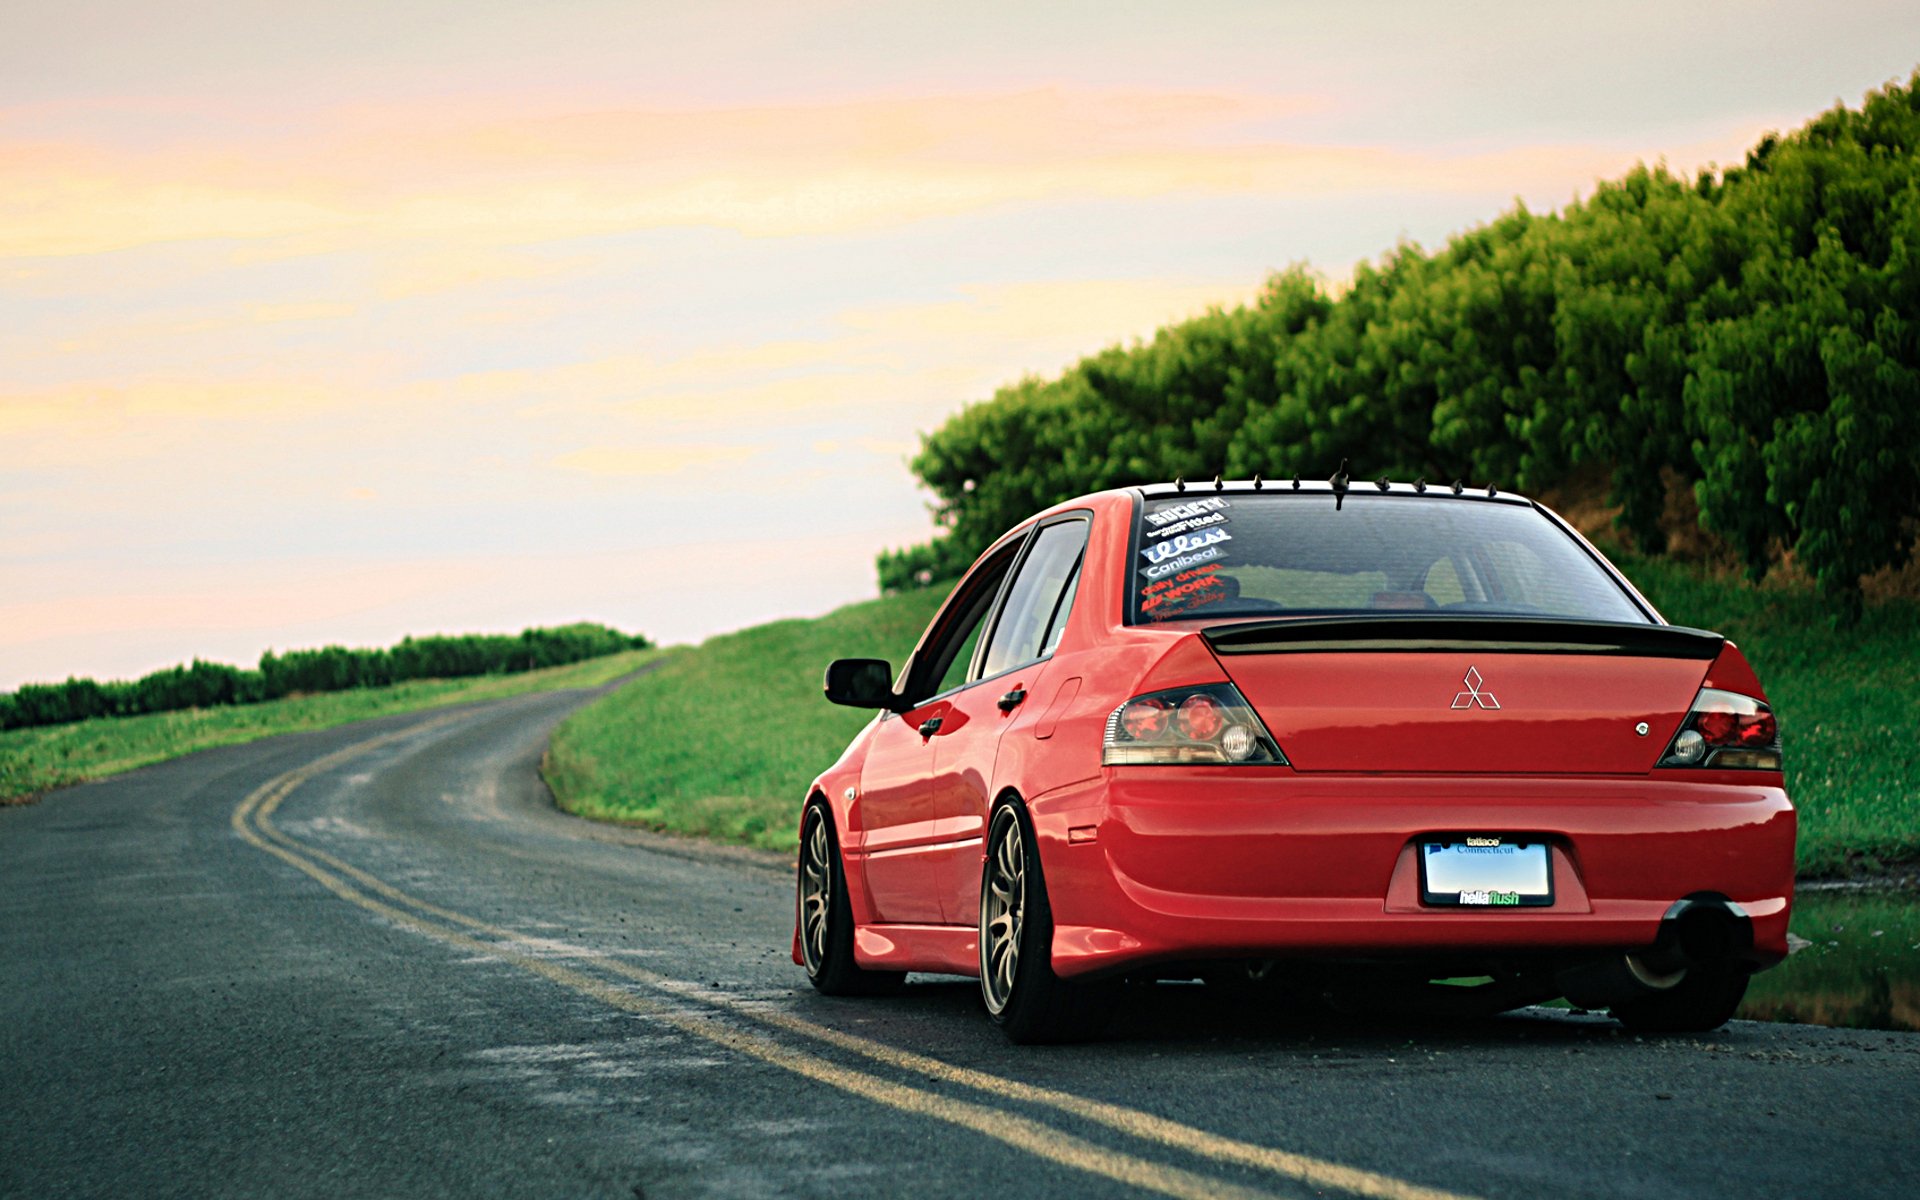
x=340, y=322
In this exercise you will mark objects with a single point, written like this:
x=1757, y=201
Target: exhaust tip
x=1647, y=977
x=1706, y=929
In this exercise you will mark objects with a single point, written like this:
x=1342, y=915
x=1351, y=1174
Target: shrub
x=1753, y=334
x=328, y=669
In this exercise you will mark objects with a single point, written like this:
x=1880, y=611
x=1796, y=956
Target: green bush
x=1753, y=334
x=301, y=672
x=201, y=685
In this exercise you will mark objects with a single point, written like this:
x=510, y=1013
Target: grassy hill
x=38, y=759
x=722, y=741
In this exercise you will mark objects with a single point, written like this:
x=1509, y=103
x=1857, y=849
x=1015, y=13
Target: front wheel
x=826, y=916
x=1024, y=997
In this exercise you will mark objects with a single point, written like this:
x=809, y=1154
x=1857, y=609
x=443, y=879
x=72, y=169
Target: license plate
x=1485, y=871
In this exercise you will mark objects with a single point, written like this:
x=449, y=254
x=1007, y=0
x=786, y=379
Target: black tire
x=1023, y=996
x=826, y=917
x=1705, y=1000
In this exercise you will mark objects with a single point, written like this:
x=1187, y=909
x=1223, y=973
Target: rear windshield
x=1294, y=553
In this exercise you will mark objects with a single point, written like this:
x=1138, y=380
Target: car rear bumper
x=1152, y=865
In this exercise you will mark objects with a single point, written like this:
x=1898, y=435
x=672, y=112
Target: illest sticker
x=1180, y=538
x=1182, y=544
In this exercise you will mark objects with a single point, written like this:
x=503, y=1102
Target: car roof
x=1325, y=487
x=1182, y=489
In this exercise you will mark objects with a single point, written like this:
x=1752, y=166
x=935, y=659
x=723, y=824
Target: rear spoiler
x=1487, y=635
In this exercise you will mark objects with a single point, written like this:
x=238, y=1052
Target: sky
x=338, y=322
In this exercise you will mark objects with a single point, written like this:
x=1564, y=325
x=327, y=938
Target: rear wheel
x=1706, y=999
x=826, y=916
x=1024, y=997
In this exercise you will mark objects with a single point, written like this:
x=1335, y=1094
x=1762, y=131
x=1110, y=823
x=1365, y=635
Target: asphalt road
x=375, y=961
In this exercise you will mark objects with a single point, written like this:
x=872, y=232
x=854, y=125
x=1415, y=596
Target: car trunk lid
x=1464, y=694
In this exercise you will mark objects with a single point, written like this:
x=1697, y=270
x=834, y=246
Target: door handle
x=1012, y=699
x=929, y=727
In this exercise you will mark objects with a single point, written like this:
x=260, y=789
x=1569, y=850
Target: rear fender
x=1731, y=673
x=1186, y=663
x=831, y=791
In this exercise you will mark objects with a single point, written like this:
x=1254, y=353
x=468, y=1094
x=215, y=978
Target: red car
x=1353, y=741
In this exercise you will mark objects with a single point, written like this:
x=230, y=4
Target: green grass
x=1848, y=700
x=721, y=742
x=35, y=760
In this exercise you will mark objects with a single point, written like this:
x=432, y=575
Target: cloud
x=96, y=423
x=302, y=310
x=894, y=448
x=1086, y=311
x=482, y=179
x=435, y=269
x=651, y=460
x=322, y=431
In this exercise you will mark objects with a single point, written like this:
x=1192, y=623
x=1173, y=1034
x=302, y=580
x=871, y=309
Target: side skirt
x=939, y=949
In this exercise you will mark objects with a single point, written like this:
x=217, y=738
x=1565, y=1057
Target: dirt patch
x=1582, y=500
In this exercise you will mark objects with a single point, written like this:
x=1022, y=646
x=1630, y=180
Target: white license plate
x=1485, y=871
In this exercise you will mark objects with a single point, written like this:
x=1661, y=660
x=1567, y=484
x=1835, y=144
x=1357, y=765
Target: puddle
x=1861, y=967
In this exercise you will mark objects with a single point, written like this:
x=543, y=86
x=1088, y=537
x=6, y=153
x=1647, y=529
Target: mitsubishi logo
x=1473, y=695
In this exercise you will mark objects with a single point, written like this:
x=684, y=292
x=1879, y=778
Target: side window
x=947, y=658
x=1037, y=602
x=956, y=673
x=1060, y=610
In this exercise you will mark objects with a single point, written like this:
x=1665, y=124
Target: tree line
x=1753, y=334
x=328, y=669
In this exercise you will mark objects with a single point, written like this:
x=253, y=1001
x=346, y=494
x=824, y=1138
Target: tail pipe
x=1705, y=930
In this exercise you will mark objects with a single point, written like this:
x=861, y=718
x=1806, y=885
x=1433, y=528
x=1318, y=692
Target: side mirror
x=861, y=683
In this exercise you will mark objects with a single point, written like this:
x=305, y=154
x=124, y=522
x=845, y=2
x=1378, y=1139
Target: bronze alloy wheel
x=1003, y=906
x=816, y=891
x=1017, y=983
x=825, y=915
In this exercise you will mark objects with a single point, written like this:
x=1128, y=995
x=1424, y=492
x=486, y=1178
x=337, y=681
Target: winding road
x=377, y=961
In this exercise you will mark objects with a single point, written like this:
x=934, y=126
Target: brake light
x=1145, y=719
x=1200, y=718
x=1211, y=723
x=1726, y=729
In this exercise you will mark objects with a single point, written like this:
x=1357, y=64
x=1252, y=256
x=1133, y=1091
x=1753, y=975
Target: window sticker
x=1182, y=551
x=1184, y=543
x=1186, y=508
x=1174, y=597
x=1190, y=523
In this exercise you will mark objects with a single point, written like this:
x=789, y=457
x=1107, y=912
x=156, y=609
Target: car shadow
x=941, y=1015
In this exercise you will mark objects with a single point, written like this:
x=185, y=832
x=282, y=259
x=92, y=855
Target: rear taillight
x=1208, y=724
x=1726, y=729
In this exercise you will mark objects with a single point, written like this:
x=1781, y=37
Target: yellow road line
x=1142, y=1125
x=252, y=821
x=1021, y=1133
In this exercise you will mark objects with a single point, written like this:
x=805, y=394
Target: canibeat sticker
x=1188, y=560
